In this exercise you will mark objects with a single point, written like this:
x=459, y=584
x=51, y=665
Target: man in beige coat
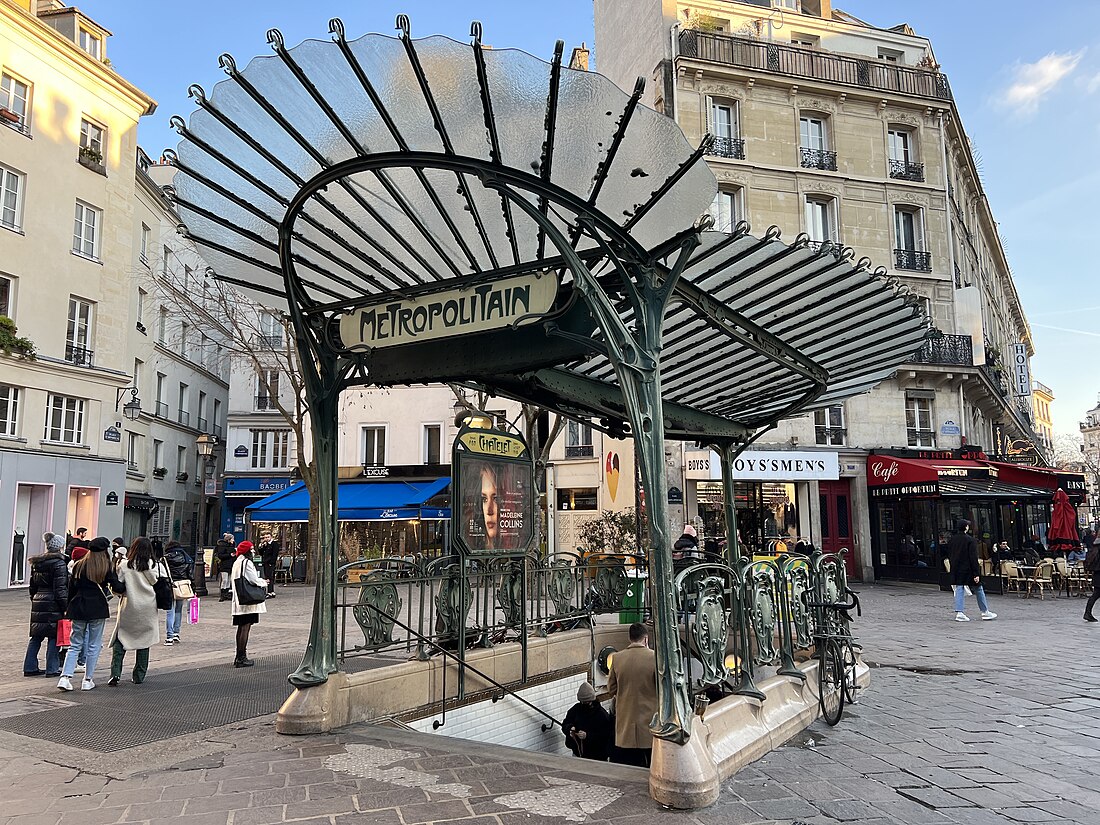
x=633, y=684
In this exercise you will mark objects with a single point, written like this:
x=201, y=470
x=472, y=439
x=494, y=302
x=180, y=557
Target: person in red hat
x=245, y=615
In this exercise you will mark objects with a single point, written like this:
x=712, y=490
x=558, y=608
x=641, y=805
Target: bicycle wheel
x=848, y=663
x=830, y=682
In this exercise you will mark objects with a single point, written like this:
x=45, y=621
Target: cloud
x=1031, y=82
x=1093, y=84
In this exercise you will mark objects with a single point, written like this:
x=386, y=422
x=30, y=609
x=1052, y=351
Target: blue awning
x=359, y=501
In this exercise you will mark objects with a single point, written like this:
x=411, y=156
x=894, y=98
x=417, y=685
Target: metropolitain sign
x=510, y=301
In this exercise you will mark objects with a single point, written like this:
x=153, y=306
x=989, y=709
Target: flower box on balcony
x=92, y=159
x=9, y=115
x=160, y=472
x=181, y=477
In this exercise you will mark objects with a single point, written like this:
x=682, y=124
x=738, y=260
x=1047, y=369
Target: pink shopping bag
x=193, y=610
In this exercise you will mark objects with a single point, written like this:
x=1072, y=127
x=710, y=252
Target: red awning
x=889, y=476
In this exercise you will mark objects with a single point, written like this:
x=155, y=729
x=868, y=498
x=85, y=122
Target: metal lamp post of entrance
x=207, y=445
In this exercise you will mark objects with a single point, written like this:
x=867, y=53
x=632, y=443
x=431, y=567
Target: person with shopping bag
x=249, y=591
x=93, y=577
x=136, y=627
x=180, y=567
x=48, y=589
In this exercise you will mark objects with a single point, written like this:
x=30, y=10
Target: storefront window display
x=767, y=513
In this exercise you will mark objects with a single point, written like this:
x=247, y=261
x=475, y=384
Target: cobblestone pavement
x=978, y=723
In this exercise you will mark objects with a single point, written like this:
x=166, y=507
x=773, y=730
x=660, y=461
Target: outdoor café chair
x=1010, y=577
x=1043, y=577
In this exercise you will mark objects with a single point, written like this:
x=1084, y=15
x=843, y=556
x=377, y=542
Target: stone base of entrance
x=733, y=733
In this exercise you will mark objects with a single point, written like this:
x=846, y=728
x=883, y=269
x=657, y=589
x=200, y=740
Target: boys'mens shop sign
x=765, y=465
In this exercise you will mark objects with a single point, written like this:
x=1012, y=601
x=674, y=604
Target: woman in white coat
x=136, y=627
x=245, y=615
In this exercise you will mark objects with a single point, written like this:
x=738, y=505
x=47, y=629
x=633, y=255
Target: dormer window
x=91, y=43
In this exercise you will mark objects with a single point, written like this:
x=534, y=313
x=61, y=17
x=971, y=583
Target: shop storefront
x=917, y=497
x=241, y=491
x=773, y=490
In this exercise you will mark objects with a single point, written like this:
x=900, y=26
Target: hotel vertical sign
x=1021, y=371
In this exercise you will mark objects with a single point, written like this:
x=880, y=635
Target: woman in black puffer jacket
x=49, y=597
x=180, y=567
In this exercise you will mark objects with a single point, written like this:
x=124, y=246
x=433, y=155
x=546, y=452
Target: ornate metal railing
x=951, y=350
x=817, y=159
x=996, y=378
x=80, y=356
x=904, y=170
x=848, y=70
x=743, y=623
x=913, y=259
x=579, y=451
x=728, y=147
x=264, y=402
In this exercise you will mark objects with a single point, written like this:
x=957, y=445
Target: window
x=9, y=411
x=812, y=133
x=201, y=412
x=15, y=96
x=829, y=426
x=91, y=43
x=145, y=244
x=271, y=331
x=204, y=350
x=162, y=404
x=578, y=499
x=791, y=5
x=91, y=138
x=11, y=198
x=908, y=229
x=162, y=326
x=158, y=454
x=891, y=56
x=267, y=389
x=167, y=257
x=5, y=297
x=140, y=323
x=64, y=419
x=270, y=449
x=723, y=117
x=899, y=144
x=433, y=440
x=184, y=416
x=181, y=460
x=374, y=446
x=160, y=523
x=918, y=422
x=185, y=335
x=216, y=417
x=79, y=336
x=133, y=450
x=578, y=440
x=85, y=230
x=188, y=277
x=727, y=209
x=138, y=366
x=821, y=220
x=806, y=41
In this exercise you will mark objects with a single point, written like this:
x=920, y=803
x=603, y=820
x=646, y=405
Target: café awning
x=359, y=501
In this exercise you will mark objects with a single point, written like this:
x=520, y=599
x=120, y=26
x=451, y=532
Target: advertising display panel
x=493, y=493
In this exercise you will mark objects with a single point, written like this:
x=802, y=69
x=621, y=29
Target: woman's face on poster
x=490, y=510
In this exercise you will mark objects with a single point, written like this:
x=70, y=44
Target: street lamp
x=207, y=445
x=132, y=408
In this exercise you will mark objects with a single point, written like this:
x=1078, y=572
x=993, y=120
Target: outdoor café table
x=1027, y=575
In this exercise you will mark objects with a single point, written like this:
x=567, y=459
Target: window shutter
x=709, y=101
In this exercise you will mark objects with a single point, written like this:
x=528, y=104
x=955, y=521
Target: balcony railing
x=958, y=277
x=834, y=248
x=728, y=147
x=268, y=341
x=217, y=430
x=184, y=418
x=913, y=260
x=202, y=424
x=847, y=70
x=817, y=159
x=579, y=451
x=951, y=350
x=904, y=170
x=264, y=402
x=996, y=378
x=80, y=356
x=162, y=409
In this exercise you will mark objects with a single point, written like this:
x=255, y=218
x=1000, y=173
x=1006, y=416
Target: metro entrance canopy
x=432, y=211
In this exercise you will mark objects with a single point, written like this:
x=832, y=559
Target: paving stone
x=793, y=808
x=846, y=810
x=935, y=798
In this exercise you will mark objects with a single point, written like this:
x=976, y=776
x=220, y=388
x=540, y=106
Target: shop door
x=836, y=522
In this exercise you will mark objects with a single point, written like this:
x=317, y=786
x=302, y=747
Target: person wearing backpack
x=1092, y=565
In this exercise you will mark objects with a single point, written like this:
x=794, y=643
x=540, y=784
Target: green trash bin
x=634, y=598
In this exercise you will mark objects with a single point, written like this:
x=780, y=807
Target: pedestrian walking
x=588, y=728
x=78, y=553
x=962, y=552
x=136, y=627
x=245, y=615
x=81, y=536
x=1092, y=565
x=223, y=552
x=180, y=567
x=633, y=684
x=269, y=555
x=93, y=578
x=49, y=594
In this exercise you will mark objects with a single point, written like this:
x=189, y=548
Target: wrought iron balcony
x=817, y=159
x=904, y=170
x=217, y=430
x=834, y=248
x=846, y=70
x=184, y=418
x=950, y=350
x=80, y=356
x=162, y=409
x=268, y=341
x=264, y=402
x=728, y=147
x=579, y=451
x=913, y=259
x=996, y=378
x=203, y=424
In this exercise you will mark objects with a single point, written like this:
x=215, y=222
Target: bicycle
x=836, y=671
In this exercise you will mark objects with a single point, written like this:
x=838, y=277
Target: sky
x=1025, y=76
